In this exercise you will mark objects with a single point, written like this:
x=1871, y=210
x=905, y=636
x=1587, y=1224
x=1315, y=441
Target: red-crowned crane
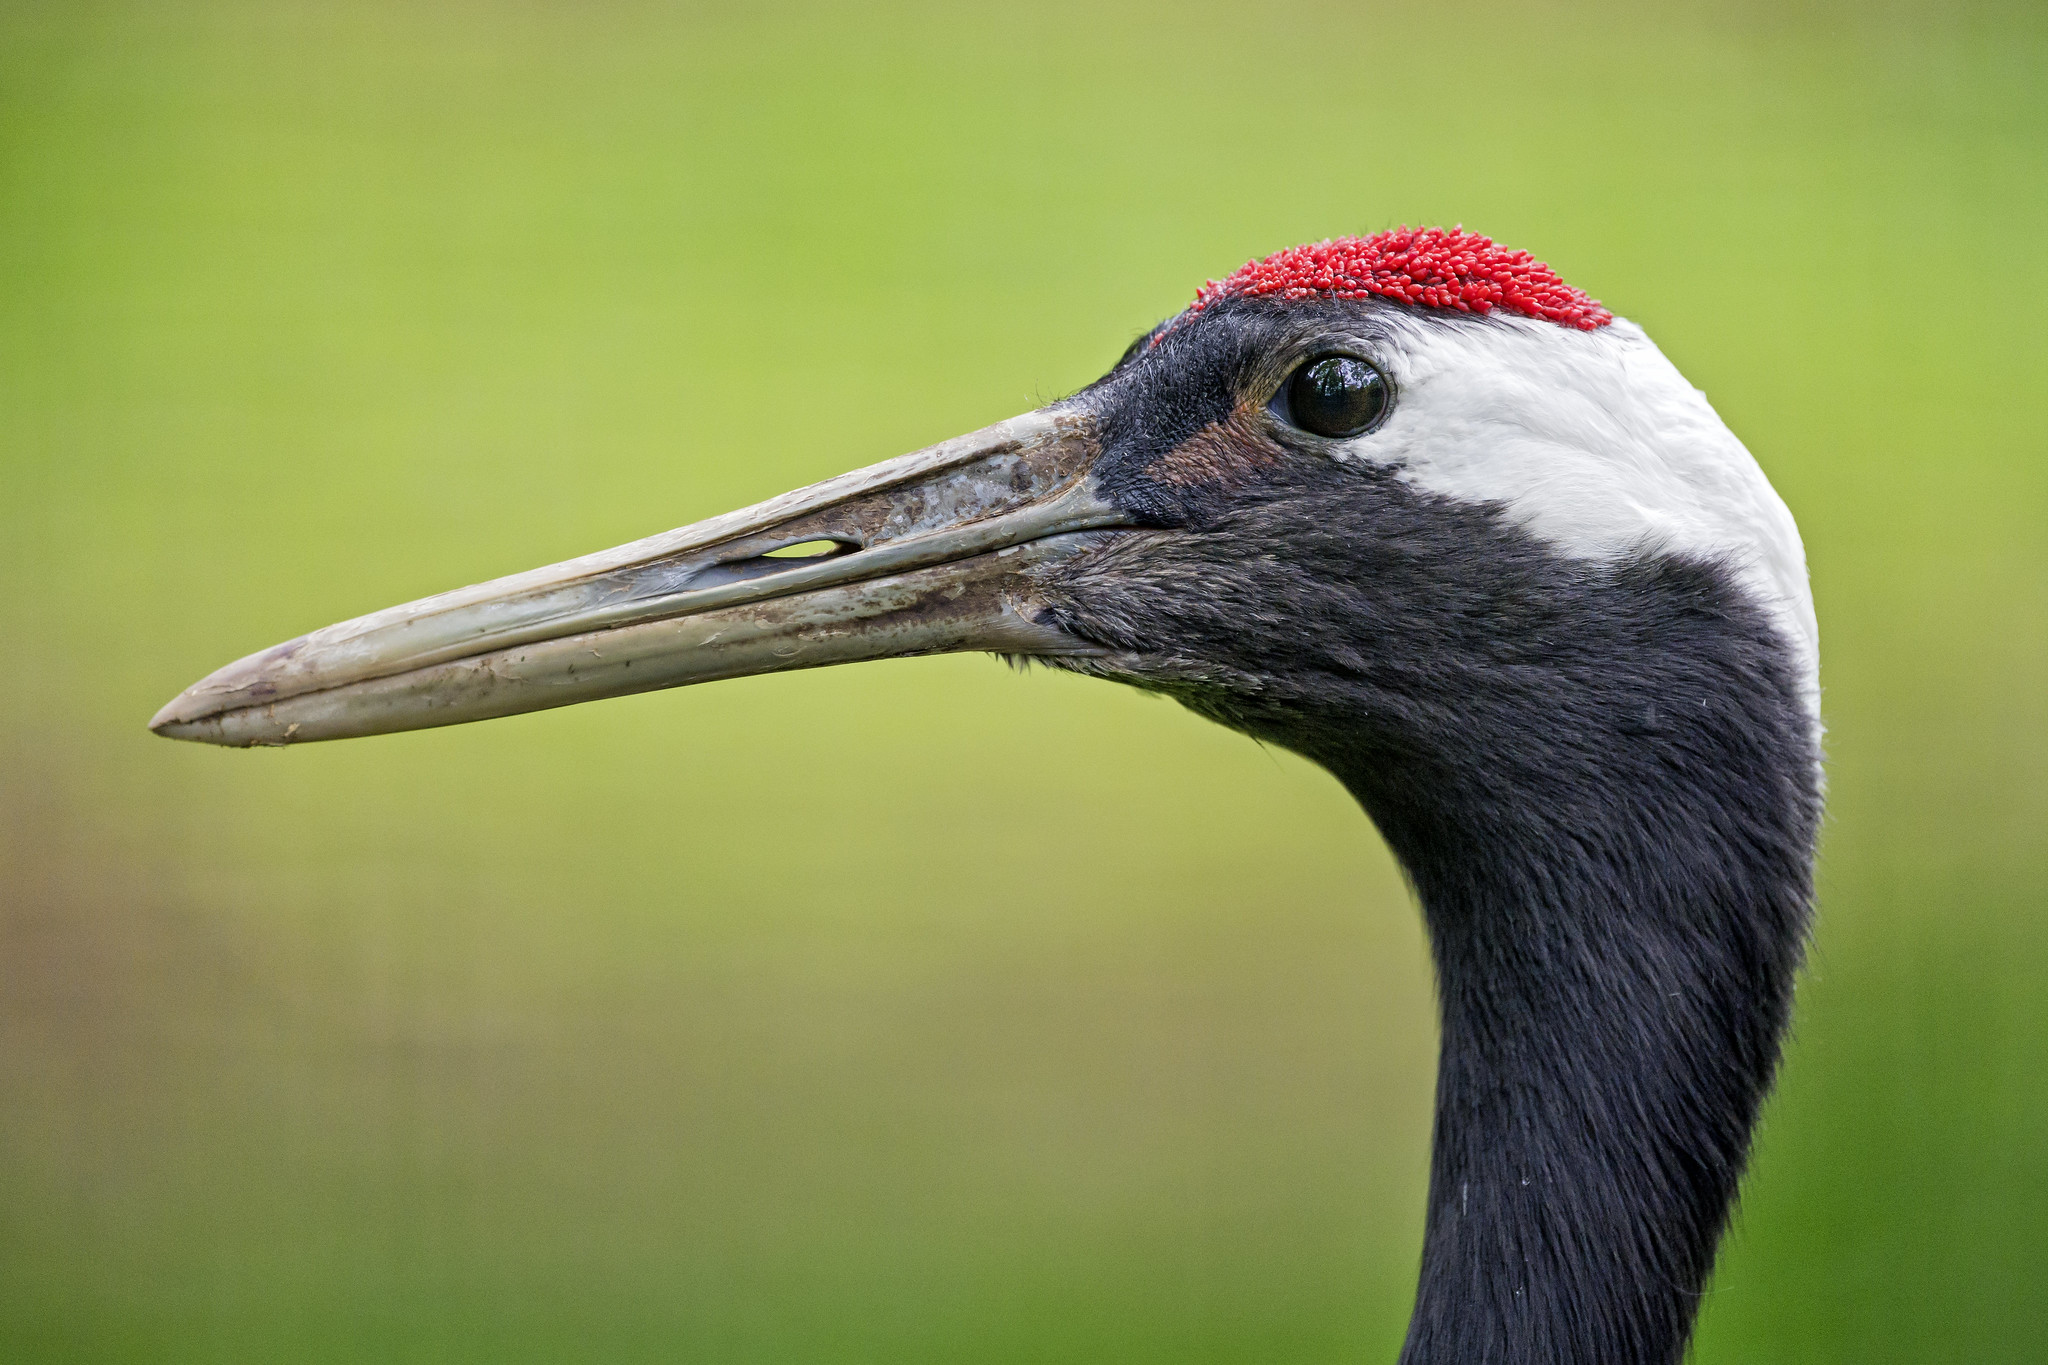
x=1408, y=505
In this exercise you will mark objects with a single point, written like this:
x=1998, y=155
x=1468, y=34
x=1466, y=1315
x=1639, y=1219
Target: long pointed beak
x=925, y=554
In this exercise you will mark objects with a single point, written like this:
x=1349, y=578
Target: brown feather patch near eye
x=1224, y=452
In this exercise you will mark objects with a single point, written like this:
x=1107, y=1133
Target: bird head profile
x=1408, y=505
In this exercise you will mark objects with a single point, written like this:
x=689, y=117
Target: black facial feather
x=1139, y=345
x=1603, y=783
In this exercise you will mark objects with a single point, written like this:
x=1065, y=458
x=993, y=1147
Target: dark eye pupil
x=1338, y=395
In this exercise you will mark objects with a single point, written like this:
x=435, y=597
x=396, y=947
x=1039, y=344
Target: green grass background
x=921, y=1011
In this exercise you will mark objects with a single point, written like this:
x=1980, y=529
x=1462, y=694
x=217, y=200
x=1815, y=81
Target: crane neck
x=1615, y=952
x=1603, y=779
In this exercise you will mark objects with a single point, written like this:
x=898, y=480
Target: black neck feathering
x=1604, y=783
x=1614, y=978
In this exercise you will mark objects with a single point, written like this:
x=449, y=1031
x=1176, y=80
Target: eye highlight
x=1334, y=395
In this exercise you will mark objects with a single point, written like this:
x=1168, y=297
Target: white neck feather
x=1595, y=443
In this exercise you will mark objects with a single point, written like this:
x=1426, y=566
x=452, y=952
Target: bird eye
x=1335, y=395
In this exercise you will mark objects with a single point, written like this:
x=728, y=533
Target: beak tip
x=215, y=709
x=170, y=725
x=166, y=721
x=188, y=718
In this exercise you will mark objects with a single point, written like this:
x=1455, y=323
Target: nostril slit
x=812, y=549
x=781, y=559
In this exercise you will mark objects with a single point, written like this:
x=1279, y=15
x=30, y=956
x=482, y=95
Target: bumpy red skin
x=1428, y=267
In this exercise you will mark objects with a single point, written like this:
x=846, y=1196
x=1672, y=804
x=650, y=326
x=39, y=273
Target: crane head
x=1401, y=463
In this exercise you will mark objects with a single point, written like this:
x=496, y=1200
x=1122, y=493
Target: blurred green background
x=922, y=1011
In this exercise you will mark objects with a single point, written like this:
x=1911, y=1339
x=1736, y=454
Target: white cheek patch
x=1595, y=443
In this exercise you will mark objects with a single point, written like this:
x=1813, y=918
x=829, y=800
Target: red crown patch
x=1428, y=267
